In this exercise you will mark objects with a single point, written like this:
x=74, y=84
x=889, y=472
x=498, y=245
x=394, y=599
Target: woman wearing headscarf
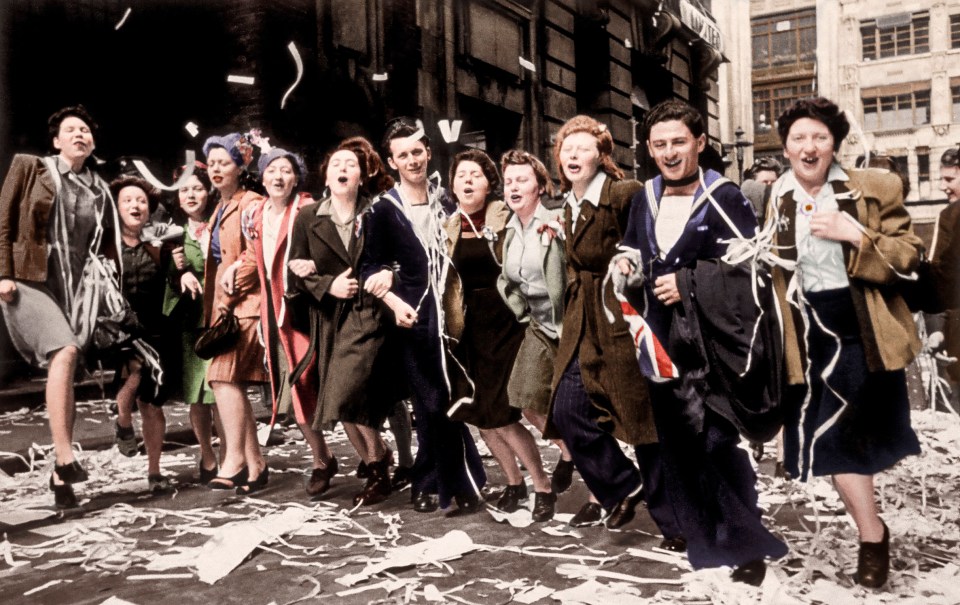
x=348, y=323
x=183, y=303
x=491, y=334
x=56, y=215
x=850, y=334
x=236, y=289
x=267, y=226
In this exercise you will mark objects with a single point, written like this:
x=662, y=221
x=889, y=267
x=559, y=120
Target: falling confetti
x=123, y=19
x=299, y=62
x=234, y=79
x=191, y=158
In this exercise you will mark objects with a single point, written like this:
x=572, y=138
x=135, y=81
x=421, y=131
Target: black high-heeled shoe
x=224, y=483
x=71, y=473
x=512, y=498
x=63, y=496
x=255, y=485
x=206, y=474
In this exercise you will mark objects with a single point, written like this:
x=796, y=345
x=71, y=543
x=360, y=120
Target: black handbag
x=218, y=338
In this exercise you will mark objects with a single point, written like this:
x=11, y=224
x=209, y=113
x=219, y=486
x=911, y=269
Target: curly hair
x=600, y=132
x=820, y=109
x=670, y=110
x=486, y=165
x=375, y=177
x=400, y=128
x=119, y=184
x=517, y=157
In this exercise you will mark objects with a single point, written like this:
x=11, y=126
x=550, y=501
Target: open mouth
x=672, y=163
x=342, y=180
x=515, y=198
x=810, y=161
x=573, y=168
x=468, y=191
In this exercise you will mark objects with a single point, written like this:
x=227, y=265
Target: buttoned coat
x=358, y=364
x=26, y=202
x=554, y=268
x=245, y=300
x=888, y=247
x=608, y=361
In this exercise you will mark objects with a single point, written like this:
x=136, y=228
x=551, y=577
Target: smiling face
x=74, y=141
x=470, y=186
x=279, y=179
x=950, y=182
x=809, y=148
x=193, y=198
x=521, y=190
x=580, y=158
x=344, y=174
x=409, y=158
x=224, y=173
x=674, y=149
x=134, y=208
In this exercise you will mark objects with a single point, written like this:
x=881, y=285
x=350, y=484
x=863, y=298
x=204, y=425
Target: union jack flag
x=654, y=361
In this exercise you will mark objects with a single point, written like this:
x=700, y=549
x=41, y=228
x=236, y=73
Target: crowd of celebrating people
x=676, y=315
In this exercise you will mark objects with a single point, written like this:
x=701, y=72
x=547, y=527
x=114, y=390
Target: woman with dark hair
x=183, y=304
x=405, y=263
x=490, y=334
x=56, y=217
x=142, y=285
x=599, y=394
x=236, y=289
x=267, y=226
x=374, y=182
x=850, y=334
x=347, y=324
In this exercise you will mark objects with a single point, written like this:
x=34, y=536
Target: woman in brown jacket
x=599, y=393
x=850, y=333
x=237, y=290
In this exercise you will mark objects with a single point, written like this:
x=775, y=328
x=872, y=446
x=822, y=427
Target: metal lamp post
x=739, y=145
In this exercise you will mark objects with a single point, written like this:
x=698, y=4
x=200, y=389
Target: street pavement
x=128, y=545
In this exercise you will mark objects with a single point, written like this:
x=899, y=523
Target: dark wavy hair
x=152, y=193
x=674, y=109
x=362, y=161
x=376, y=180
x=820, y=109
x=199, y=171
x=599, y=131
x=399, y=128
x=76, y=111
x=486, y=165
x=763, y=163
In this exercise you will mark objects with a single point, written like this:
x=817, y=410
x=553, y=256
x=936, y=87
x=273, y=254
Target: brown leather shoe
x=873, y=562
x=544, y=505
x=589, y=514
x=624, y=512
x=319, y=481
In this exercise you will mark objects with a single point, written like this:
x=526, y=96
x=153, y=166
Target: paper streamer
x=123, y=19
x=419, y=134
x=190, y=162
x=450, y=131
x=248, y=80
x=528, y=65
x=296, y=59
x=380, y=77
x=192, y=128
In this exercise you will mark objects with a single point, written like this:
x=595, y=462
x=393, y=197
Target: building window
x=493, y=34
x=897, y=107
x=923, y=164
x=955, y=94
x=784, y=39
x=772, y=100
x=895, y=35
x=954, y=31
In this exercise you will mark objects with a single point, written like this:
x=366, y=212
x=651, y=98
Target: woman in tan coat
x=850, y=334
x=237, y=290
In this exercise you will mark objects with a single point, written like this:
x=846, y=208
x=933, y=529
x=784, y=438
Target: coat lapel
x=326, y=231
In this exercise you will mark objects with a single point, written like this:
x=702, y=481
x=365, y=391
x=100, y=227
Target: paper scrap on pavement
x=572, y=570
x=534, y=594
x=24, y=515
x=161, y=576
x=452, y=545
x=661, y=556
x=192, y=128
x=117, y=601
x=235, y=79
x=123, y=19
x=592, y=592
x=45, y=586
x=518, y=518
x=561, y=533
x=233, y=542
x=299, y=63
x=528, y=65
